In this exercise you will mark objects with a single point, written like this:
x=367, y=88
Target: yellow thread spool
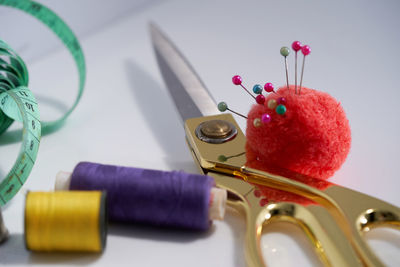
x=65, y=221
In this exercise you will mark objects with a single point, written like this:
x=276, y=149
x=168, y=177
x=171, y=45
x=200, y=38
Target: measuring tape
x=17, y=101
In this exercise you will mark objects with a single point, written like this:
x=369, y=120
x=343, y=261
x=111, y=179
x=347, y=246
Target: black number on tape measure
x=29, y=106
x=33, y=125
x=9, y=190
x=31, y=147
x=35, y=7
x=4, y=100
x=22, y=93
x=23, y=168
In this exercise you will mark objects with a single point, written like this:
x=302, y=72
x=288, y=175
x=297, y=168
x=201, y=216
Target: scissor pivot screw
x=216, y=131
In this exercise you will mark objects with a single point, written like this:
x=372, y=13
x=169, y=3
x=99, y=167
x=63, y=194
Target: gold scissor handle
x=354, y=212
x=330, y=244
x=364, y=213
x=351, y=211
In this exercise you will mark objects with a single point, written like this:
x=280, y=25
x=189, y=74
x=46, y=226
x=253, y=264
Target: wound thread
x=66, y=221
x=170, y=199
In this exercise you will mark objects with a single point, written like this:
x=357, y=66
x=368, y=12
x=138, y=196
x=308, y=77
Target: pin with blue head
x=257, y=89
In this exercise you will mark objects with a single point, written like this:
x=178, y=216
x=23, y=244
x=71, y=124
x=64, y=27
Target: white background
x=127, y=118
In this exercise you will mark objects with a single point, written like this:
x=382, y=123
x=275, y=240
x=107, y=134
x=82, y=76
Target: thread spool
x=66, y=221
x=172, y=199
x=3, y=230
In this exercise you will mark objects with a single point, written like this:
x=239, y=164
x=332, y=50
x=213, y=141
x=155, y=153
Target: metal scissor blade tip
x=190, y=95
x=155, y=31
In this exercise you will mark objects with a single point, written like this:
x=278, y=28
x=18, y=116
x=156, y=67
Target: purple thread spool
x=173, y=199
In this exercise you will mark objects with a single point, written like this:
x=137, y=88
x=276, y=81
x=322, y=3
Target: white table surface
x=126, y=116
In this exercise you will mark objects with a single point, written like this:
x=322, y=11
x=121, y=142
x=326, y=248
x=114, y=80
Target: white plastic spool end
x=63, y=180
x=217, y=204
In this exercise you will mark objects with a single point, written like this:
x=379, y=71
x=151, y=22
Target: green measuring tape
x=17, y=101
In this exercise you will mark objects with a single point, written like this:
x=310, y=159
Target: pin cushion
x=312, y=137
x=295, y=130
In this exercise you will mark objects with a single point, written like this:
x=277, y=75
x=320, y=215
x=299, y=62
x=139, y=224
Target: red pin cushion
x=311, y=138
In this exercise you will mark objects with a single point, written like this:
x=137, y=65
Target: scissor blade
x=190, y=95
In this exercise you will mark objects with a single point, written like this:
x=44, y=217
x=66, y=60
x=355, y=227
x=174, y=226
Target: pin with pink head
x=269, y=87
x=260, y=99
x=266, y=118
x=237, y=80
x=281, y=101
x=296, y=46
x=305, y=50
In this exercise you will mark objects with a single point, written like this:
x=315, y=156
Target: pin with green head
x=223, y=106
x=281, y=109
x=285, y=52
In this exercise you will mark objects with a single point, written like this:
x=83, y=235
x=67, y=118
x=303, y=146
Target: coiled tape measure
x=17, y=101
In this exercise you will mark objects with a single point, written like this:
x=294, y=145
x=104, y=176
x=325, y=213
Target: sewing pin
x=223, y=158
x=281, y=100
x=272, y=103
x=237, y=80
x=296, y=46
x=257, y=122
x=222, y=106
x=285, y=52
x=260, y=99
x=306, y=50
x=266, y=118
x=281, y=109
x=257, y=89
x=269, y=87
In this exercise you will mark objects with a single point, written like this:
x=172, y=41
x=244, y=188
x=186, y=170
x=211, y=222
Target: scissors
x=334, y=218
